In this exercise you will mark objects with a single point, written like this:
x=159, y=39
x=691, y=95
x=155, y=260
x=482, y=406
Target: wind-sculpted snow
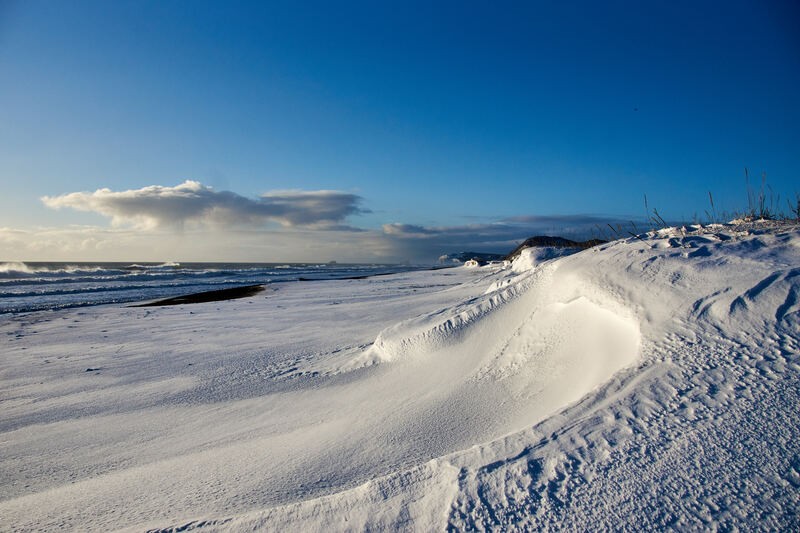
x=650, y=383
x=419, y=336
x=425, y=334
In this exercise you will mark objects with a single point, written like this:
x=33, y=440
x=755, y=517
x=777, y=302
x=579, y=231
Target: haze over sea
x=34, y=286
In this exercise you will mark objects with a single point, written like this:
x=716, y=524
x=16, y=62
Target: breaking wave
x=36, y=286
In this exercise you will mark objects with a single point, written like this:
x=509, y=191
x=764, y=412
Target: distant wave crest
x=168, y=264
x=17, y=267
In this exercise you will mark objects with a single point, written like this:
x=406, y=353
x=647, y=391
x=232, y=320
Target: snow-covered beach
x=647, y=383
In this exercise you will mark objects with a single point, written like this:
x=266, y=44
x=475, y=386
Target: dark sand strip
x=208, y=296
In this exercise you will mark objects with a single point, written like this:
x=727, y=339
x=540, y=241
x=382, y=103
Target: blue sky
x=428, y=126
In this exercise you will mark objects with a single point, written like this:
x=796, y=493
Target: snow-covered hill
x=650, y=382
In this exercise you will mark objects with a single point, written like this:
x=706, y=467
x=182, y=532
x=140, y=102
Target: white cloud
x=408, y=231
x=508, y=229
x=192, y=222
x=193, y=204
x=394, y=243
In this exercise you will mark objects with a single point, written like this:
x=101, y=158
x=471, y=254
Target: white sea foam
x=17, y=267
x=27, y=287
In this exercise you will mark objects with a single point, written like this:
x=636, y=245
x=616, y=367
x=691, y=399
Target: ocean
x=32, y=286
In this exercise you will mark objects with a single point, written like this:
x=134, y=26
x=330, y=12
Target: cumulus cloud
x=469, y=232
x=193, y=203
x=519, y=227
x=191, y=221
x=407, y=231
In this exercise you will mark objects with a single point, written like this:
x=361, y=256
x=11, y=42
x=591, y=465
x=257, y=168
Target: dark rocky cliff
x=551, y=242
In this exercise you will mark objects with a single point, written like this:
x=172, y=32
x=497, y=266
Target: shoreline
x=234, y=293
x=368, y=276
x=118, y=296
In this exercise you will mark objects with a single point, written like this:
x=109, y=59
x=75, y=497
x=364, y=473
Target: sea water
x=32, y=286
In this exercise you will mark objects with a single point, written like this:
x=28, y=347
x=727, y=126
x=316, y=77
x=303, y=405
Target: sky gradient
x=381, y=131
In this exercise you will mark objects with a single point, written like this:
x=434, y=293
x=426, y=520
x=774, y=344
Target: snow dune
x=626, y=386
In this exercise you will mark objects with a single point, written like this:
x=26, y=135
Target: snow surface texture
x=648, y=383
